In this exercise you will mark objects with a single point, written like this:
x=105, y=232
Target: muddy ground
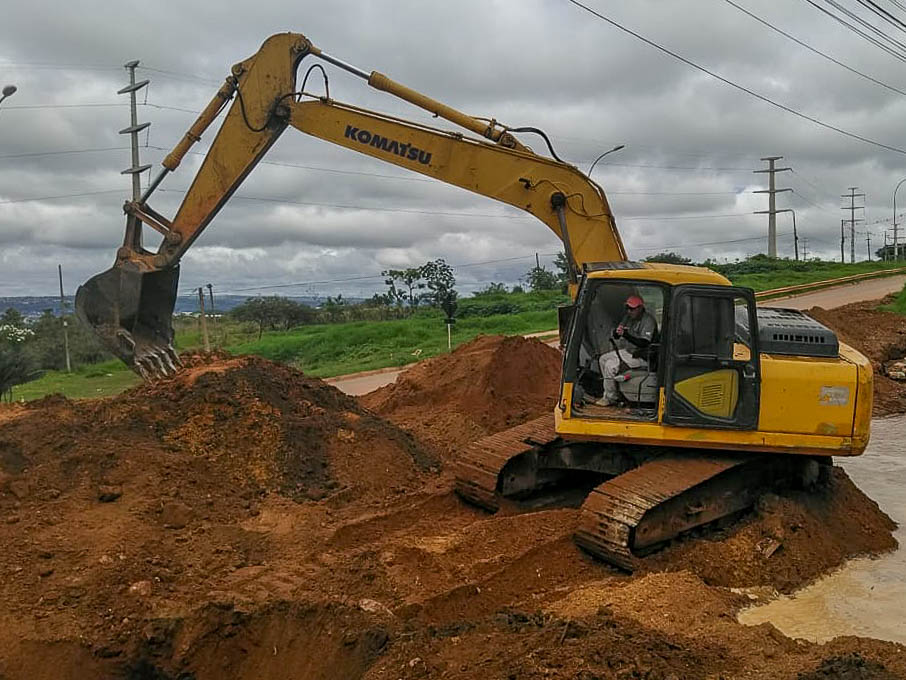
x=246, y=521
x=879, y=335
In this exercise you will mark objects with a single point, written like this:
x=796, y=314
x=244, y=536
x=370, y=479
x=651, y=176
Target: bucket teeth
x=158, y=362
x=167, y=361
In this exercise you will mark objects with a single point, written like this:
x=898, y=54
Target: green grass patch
x=323, y=350
x=336, y=349
x=786, y=273
x=329, y=350
x=93, y=380
x=899, y=303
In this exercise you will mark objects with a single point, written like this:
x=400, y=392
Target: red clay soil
x=245, y=521
x=879, y=335
x=788, y=540
x=482, y=387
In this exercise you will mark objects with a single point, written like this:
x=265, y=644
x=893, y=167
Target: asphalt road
x=872, y=289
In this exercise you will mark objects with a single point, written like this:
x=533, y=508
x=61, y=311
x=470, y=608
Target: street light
x=795, y=233
x=895, y=244
x=8, y=90
x=616, y=148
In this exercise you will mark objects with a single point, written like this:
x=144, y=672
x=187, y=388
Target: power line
x=857, y=31
x=735, y=85
x=816, y=51
x=48, y=198
x=668, y=218
x=884, y=14
x=265, y=199
x=297, y=284
x=871, y=27
x=58, y=106
x=61, y=153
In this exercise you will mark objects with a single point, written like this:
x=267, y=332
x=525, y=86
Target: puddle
x=867, y=597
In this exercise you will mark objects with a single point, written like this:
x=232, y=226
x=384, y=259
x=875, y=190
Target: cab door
x=713, y=373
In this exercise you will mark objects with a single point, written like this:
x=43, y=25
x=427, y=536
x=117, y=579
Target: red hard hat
x=634, y=301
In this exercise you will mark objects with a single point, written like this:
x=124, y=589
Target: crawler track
x=481, y=465
x=651, y=496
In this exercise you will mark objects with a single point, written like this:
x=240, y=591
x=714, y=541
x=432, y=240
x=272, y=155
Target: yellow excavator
x=722, y=402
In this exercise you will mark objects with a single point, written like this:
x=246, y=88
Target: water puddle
x=867, y=597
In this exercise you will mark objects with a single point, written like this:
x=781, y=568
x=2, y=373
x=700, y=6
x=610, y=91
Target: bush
x=16, y=367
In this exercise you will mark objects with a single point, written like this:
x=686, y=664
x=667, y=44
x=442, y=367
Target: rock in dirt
x=176, y=515
x=107, y=493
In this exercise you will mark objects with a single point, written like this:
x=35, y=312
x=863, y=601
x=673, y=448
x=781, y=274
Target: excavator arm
x=130, y=305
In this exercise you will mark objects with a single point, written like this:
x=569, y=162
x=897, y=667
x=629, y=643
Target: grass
x=782, y=277
x=337, y=349
x=330, y=350
x=322, y=350
x=94, y=380
x=899, y=303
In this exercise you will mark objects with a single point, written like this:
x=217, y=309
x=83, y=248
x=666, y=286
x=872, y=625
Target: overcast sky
x=326, y=218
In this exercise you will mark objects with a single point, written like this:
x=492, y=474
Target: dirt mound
x=879, y=335
x=484, y=386
x=243, y=520
x=849, y=667
x=787, y=541
x=154, y=497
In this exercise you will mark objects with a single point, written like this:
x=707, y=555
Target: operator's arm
x=640, y=334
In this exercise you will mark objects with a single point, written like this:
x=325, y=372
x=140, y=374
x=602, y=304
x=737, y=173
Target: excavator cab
x=637, y=380
x=701, y=357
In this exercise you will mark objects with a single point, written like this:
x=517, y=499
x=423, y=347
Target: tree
x=439, y=279
x=563, y=267
x=539, y=278
x=273, y=312
x=12, y=317
x=448, y=303
x=334, y=307
x=668, y=258
x=491, y=289
x=410, y=280
x=16, y=367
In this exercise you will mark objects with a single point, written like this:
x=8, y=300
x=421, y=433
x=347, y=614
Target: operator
x=632, y=336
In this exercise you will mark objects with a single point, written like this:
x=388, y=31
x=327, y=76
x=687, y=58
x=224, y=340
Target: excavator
x=727, y=400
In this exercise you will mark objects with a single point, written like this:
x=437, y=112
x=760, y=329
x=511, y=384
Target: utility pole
x=805, y=249
x=842, y=241
x=204, y=323
x=852, y=207
x=771, y=212
x=133, y=224
x=868, y=242
x=896, y=242
x=213, y=315
x=63, y=318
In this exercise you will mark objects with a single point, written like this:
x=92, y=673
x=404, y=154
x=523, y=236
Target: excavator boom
x=130, y=305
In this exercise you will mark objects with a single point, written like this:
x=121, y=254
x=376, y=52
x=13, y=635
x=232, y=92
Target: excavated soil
x=485, y=386
x=246, y=521
x=879, y=335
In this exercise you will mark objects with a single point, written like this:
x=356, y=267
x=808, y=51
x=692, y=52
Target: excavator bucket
x=131, y=312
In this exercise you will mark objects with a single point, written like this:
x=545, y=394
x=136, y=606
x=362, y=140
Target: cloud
x=330, y=220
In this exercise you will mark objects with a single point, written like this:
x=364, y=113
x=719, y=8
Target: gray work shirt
x=644, y=328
